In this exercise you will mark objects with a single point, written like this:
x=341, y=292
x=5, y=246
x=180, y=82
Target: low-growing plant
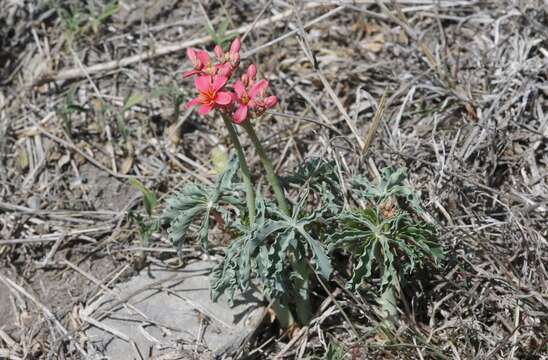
x=68, y=107
x=386, y=236
x=148, y=224
x=335, y=351
x=79, y=19
x=277, y=245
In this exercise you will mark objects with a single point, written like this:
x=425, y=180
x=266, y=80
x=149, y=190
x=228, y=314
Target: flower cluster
x=244, y=98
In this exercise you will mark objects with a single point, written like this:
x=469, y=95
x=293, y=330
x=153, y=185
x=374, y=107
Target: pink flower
x=201, y=63
x=224, y=69
x=229, y=61
x=269, y=102
x=210, y=96
x=246, y=100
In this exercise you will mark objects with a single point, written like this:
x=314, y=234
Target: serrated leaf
x=196, y=201
x=323, y=264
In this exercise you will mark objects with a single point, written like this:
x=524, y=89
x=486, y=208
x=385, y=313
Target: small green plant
x=221, y=37
x=385, y=236
x=277, y=245
x=78, y=19
x=280, y=242
x=68, y=107
x=277, y=250
x=147, y=225
x=335, y=351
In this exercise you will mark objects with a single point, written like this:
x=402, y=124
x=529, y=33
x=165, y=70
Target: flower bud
x=225, y=70
x=251, y=72
x=270, y=102
x=219, y=53
x=245, y=80
x=235, y=46
x=235, y=59
x=191, y=55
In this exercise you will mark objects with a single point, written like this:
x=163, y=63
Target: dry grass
x=466, y=111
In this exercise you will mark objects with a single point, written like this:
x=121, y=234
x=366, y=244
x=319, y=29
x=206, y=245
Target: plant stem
x=302, y=285
x=246, y=175
x=267, y=164
x=388, y=306
x=283, y=314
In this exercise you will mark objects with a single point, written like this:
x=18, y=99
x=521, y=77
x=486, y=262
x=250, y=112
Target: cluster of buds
x=244, y=98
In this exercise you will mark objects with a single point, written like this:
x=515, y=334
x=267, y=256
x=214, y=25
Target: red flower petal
x=219, y=82
x=258, y=88
x=192, y=103
x=203, y=83
x=270, y=102
x=205, y=109
x=190, y=73
x=203, y=57
x=191, y=55
x=223, y=98
x=239, y=88
x=240, y=114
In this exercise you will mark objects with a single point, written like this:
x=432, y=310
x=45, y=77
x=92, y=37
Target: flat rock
x=178, y=310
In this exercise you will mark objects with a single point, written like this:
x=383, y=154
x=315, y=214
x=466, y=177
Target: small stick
x=53, y=250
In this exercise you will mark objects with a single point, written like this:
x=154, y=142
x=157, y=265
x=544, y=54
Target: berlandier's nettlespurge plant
x=385, y=236
x=277, y=245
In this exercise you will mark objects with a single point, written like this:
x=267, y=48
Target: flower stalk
x=240, y=102
x=244, y=169
x=267, y=164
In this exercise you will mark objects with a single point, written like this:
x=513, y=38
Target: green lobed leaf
x=395, y=245
x=195, y=202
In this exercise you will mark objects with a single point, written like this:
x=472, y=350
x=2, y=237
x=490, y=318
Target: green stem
x=283, y=314
x=388, y=306
x=246, y=175
x=302, y=286
x=267, y=164
x=387, y=299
